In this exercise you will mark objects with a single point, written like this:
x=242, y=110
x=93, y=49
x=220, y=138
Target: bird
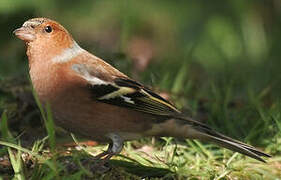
x=90, y=97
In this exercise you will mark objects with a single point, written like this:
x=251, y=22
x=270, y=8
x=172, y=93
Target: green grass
x=164, y=158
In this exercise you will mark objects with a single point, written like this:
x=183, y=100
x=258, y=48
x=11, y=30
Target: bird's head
x=45, y=36
x=47, y=41
x=43, y=30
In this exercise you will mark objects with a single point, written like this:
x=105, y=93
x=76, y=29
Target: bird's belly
x=95, y=120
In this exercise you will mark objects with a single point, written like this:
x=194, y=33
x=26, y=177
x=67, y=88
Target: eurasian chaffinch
x=90, y=97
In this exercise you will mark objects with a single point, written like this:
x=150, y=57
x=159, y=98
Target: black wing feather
x=131, y=94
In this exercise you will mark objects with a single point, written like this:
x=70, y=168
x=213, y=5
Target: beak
x=25, y=33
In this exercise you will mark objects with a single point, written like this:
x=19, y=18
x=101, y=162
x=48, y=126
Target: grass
x=150, y=158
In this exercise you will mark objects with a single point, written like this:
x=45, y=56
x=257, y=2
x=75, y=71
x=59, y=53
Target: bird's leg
x=115, y=147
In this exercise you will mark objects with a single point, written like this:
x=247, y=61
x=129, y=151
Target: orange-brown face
x=43, y=32
x=45, y=38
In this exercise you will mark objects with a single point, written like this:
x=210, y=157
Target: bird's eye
x=48, y=29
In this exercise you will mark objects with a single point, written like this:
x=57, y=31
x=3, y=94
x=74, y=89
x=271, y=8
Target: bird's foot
x=100, y=162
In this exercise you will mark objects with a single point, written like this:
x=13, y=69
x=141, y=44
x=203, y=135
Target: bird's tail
x=196, y=130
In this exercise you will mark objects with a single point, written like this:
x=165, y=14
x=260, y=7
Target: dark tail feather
x=246, y=146
x=234, y=146
x=206, y=133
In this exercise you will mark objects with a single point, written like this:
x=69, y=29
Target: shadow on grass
x=139, y=169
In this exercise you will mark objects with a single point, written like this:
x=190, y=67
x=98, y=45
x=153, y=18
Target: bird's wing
x=125, y=92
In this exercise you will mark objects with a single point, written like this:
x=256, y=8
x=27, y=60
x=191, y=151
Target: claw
x=100, y=161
